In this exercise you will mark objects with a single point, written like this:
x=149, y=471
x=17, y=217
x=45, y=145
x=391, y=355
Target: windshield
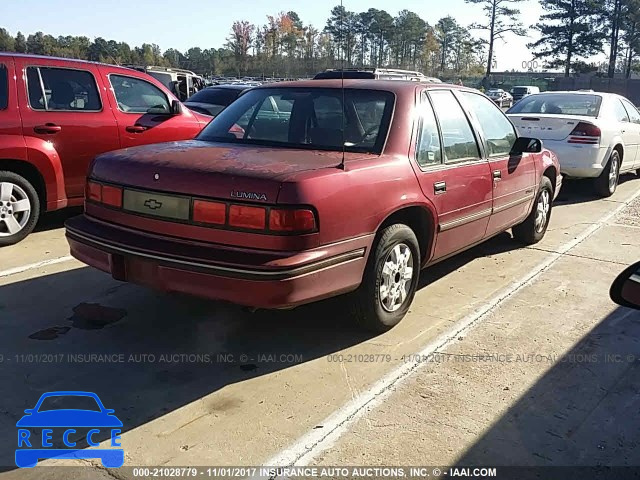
x=66, y=402
x=311, y=118
x=559, y=103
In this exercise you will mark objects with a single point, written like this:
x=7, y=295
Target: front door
x=514, y=177
x=452, y=173
x=633, y=128
x=63, y=106
x=143, y=112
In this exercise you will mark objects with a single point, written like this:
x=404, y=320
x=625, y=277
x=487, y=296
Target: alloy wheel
x=396, y=276
x=15, y=209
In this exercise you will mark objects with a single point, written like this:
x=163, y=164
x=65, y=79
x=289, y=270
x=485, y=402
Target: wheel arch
x=421, y=219
x=31, y=174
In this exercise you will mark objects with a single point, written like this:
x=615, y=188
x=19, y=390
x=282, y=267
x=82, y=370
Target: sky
x=206, y=23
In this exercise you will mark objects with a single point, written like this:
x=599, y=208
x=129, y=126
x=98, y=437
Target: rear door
x=634, y=128
x=452, y=173
x=628, y=131
x=62, y=105
x=143, y=110
x=514, y=177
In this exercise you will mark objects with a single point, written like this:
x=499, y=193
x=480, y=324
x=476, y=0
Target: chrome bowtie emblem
x=156, y=176
x=153, y=204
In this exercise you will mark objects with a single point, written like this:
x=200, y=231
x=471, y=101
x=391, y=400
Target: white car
x=595, y=135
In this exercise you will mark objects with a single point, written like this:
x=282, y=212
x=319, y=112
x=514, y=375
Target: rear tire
x=605, y=185
x=390, y=280
x=533, y=228
x=19, y=208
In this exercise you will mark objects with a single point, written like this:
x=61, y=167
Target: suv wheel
x=533, y=228
x=19, y=208
x=605, y=185
x=390, y=279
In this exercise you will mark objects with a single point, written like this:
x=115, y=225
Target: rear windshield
x=220, y=97
x=4, y=87
x=559, y=103
x=518, y=90
x=313, y=118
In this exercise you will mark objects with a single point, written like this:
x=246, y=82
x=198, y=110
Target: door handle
x=439, y=187
x=497, y=174
x=49, y=128
x=136, y=128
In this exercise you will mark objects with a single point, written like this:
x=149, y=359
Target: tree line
x=284, y=46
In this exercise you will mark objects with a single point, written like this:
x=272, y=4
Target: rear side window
x=634, y=115
x=138, y=96
x=499, y=133
x=63, y=89
x=459, y=141
x=429, y=151
x=617, y=111
x=4, y=87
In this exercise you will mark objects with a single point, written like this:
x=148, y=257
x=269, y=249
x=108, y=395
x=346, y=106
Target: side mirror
x=526, y=145
x=176, y=107
x=625, y=289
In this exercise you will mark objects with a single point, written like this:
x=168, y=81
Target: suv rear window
x=4, y=87
x=313, y=118
x=64, y=89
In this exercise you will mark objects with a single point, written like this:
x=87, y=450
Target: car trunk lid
x=205, y=169
x=547, y=126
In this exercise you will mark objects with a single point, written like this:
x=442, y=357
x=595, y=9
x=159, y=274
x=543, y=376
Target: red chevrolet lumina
x=305, y=190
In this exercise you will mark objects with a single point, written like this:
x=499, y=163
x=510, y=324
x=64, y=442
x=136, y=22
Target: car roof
x=66, y=60
x=364, y=84
x=236, y=86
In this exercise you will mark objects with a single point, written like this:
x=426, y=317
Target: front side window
x=315, y=118
x=62, y=89
x=429, y=151
x=138, y=96
x=4, y=87
x=459, y=142
x=634, y=115
x=499, y=133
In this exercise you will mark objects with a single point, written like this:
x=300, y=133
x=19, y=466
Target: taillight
x=94, y=191
x=291, y=220
x=585, y=133
x=209, y=212
x=244, y=216
x=112, y=196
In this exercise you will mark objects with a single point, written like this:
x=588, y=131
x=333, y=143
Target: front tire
x=390, y=280
x=533, y=228
x=19, y=208
x=605, y=185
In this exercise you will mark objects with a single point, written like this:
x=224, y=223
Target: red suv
x=341, y=190
x=57, y=114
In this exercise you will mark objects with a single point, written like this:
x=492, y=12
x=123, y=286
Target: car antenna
x=341, y=165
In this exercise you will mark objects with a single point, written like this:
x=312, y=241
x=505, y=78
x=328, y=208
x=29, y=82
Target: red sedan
x=301, y=191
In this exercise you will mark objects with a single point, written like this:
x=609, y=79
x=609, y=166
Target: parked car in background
x=182, y=83
x=595, y=135
x=502, y=98
x=375, y=73
x=352, y=190
x=212, y=100
x=521, y=91
x=57, y=114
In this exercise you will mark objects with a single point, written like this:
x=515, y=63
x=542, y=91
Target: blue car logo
x=31, y=448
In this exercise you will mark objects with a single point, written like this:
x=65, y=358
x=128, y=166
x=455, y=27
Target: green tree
x=568, y=30
x=501, y=18
x=20, y=44
x=7, y=42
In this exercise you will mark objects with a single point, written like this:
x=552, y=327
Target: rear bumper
x=579, y=161
x=265, y=279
